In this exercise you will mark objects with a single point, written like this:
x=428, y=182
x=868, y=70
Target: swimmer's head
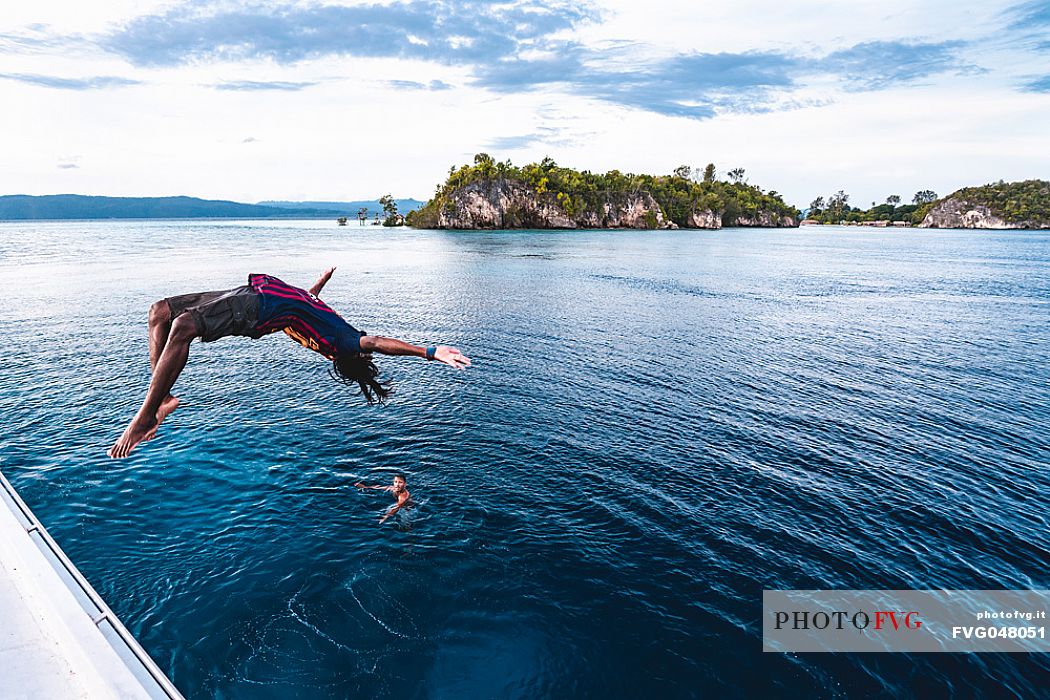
x=399, y=482
x=352, y=368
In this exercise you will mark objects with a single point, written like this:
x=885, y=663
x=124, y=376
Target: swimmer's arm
x=362, y=485
x=401, y=500
x=321, y=282
x=392, y=346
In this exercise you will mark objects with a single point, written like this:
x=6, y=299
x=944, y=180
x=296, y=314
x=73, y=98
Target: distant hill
x=348, y=208
x=75, y=206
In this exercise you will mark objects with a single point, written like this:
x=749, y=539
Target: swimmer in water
x=397, y=489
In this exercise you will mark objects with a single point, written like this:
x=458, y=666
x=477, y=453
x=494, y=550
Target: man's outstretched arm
x=362, y=485
x=321, y=282
x=392, y=346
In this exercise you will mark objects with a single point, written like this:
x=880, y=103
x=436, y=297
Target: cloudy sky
x=347, y=100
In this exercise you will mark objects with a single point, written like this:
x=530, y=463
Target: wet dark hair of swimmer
x=356, y=368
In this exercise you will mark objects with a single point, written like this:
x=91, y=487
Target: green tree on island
x=390, y=213
x=924, y=197
x=485, y=164
x=709, y=173
x=838, y=206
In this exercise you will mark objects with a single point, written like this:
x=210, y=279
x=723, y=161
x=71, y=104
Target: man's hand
x=392, y=346
x=451, y=357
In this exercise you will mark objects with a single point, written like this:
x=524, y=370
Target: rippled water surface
x=657, y=426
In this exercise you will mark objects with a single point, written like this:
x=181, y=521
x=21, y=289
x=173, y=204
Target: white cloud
x=339, y=126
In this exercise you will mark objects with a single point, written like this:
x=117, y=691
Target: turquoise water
x=657, y=426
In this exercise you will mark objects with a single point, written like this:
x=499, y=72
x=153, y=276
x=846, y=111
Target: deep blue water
x=657, y=426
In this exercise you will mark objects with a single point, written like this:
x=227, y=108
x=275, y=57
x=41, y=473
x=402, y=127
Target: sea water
x=657, y=427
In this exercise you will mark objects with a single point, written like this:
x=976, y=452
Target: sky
x=333, y=100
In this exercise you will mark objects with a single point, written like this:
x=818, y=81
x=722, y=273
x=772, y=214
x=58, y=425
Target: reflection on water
x=658, y=426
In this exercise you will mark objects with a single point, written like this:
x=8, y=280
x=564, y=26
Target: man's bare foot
x=167, y=407
x=133, y=435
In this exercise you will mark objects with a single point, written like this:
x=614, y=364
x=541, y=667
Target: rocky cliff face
x=765, y=219
x=704, y=218
x=954, y=212
x=495, y=204
x=509, y=204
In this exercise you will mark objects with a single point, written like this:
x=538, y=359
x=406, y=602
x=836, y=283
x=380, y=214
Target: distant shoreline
x=171, y=218
x=368, y=226
x=67, y=207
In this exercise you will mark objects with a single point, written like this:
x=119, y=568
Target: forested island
x=494, y=194
x=836, y=209
x=1000, y=205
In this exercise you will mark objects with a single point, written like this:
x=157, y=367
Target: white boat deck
x=58, y=639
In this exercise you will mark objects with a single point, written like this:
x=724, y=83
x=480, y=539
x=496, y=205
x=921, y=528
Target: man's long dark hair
x=352, y=368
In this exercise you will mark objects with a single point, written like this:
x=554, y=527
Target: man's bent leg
x=159, y=328
x=169, y=366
